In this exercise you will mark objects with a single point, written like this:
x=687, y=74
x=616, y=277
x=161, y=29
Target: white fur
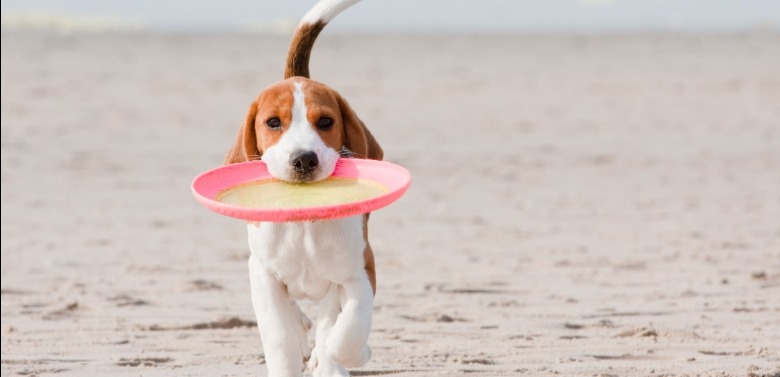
x=300, y=136
x=326, y=10
x=322, y=261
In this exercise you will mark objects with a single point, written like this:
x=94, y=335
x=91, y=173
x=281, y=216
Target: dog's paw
x=337, y=372
x=350, y=358
x=324, y=367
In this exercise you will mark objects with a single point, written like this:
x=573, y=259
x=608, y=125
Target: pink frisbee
x=208, y=186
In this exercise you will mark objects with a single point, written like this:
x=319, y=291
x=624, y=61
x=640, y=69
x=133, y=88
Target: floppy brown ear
x=357, y=138
x=245, y=148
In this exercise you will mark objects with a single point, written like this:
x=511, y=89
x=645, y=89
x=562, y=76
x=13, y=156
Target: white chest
x=308, y=256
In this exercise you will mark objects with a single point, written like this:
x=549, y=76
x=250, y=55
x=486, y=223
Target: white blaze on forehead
x=299, y=105
x=301, y=133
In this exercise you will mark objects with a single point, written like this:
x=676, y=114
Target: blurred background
x=487, y=16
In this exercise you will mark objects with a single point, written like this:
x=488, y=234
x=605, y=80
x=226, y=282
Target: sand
x=580, y=205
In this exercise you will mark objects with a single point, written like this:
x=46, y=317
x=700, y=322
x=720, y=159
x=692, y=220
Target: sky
x=400, y=15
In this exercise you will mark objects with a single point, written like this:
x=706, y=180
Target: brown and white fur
x=300, y=128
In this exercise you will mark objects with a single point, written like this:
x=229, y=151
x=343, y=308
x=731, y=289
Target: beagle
x=300, y=128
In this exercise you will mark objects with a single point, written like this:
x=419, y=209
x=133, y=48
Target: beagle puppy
x=300, y=128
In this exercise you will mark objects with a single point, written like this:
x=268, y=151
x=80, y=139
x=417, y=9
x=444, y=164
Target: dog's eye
x=273, y=123
x=324, y=123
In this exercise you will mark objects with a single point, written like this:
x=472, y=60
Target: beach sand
x=580, y=205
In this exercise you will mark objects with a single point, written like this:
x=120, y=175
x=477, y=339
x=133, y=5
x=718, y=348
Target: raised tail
x=310, y=27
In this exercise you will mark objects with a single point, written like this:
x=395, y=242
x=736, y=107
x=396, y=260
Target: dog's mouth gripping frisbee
x=248, y=191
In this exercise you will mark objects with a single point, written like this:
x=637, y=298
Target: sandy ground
x=580, y=206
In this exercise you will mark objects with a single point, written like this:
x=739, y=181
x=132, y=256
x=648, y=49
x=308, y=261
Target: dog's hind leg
x=278, y=316
x=303, y=331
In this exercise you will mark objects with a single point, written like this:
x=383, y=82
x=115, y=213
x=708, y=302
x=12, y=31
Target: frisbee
x=388, y=181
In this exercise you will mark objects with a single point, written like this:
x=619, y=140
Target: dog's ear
x=357, y=138
x=245, y=148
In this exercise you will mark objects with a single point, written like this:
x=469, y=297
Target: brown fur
x=368, y=255
x=348, y=130
x=300, y=49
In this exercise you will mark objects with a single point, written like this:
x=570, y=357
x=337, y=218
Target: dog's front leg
x=348, y=338
x=278, y=322
x=320, y=362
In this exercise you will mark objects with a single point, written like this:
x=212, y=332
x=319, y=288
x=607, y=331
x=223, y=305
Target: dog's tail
x=310, y=27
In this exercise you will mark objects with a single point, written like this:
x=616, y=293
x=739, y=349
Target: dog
x=300, y=128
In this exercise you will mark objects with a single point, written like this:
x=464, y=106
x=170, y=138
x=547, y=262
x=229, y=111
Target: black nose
x=304, y=162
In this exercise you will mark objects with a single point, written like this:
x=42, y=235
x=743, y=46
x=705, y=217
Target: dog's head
x=300, y=128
